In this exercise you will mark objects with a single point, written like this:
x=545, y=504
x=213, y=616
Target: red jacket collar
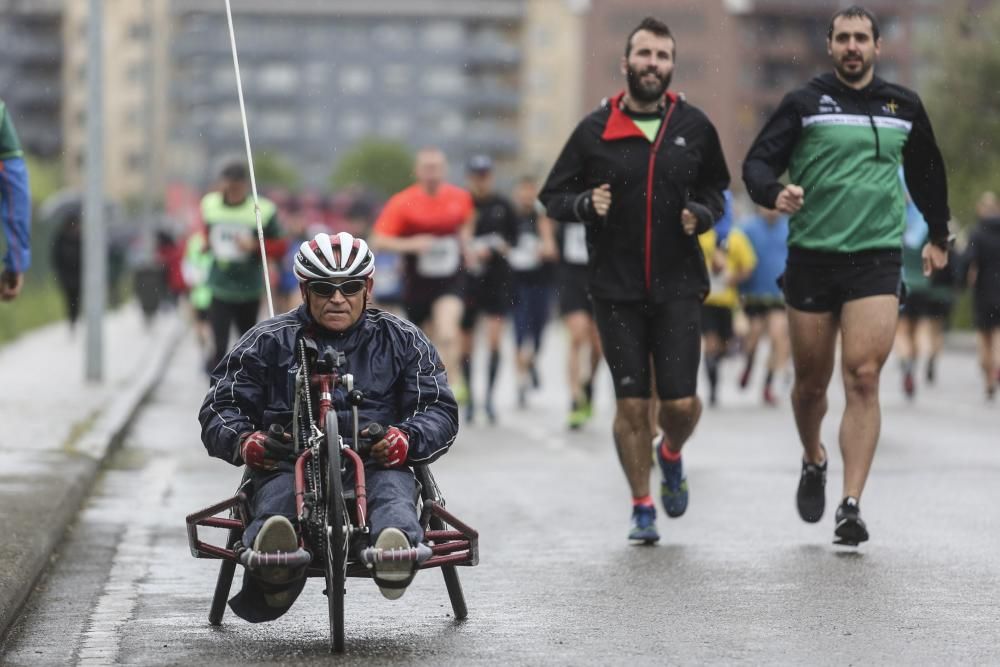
x=620, y=125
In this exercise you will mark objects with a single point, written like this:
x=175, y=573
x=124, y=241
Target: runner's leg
x=813, y=338
x=757, y=326
x=777, y=332
x=446, y=313
x=867, y=326
x=494, y=332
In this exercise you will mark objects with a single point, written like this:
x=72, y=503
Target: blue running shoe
x=644, y=525
x=674, y=488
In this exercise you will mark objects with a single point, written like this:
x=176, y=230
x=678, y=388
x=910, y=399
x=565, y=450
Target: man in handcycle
x=405, y=390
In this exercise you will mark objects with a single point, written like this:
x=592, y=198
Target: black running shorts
x=571, y=285
x=717, y=320
x=635, y=332
x=922, y=305
x=486, y=295
x=822, y=282
x=421, y=293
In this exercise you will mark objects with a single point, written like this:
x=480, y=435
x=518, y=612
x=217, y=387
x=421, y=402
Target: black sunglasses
x=326, y=289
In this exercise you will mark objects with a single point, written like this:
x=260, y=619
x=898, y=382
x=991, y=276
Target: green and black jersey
x=844, y=147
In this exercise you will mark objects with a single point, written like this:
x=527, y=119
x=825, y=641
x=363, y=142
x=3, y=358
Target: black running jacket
x=639, y=251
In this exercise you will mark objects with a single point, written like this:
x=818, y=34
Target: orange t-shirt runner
x=412, y=212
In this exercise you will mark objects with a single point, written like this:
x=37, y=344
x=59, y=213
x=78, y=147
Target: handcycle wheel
x=224, y=583
x=336, y=535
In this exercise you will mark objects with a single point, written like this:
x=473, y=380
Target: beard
x=643, y=92
x=857, y=75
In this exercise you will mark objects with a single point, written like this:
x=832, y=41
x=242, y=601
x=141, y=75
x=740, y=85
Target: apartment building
x=31, y=53
x=320, y=76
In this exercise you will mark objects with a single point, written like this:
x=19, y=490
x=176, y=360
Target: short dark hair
x=855, y=12
x=649, y=24
x=235, y=171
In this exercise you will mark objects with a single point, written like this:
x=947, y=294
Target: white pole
x=253, y=178
x=95, y=241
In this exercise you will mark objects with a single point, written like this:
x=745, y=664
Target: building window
x=355, y=79
x=452, y=124
x=354, y=125
x=393, y=36
x=278, y=124
x=397, y=77
x=443, y=36
x=278, y=78
x=395, y=125
x=444, y=79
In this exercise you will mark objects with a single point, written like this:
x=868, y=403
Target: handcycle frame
x=341, y=515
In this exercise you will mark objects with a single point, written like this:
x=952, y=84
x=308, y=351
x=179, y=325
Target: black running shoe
x=811, y=496
x=850, y=530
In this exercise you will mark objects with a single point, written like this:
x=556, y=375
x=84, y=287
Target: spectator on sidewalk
x=67, y=262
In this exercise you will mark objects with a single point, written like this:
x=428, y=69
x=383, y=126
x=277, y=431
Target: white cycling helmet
x=337, y=256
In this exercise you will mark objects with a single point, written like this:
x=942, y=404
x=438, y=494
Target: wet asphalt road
x=739, y=578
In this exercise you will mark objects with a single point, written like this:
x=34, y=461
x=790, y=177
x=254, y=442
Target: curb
x=102, y=438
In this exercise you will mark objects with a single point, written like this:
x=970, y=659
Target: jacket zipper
x=649, y=194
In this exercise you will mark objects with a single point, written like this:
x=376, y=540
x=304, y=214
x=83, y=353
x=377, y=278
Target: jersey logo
x=890, y=108
x=829, y=105
x=680, y=141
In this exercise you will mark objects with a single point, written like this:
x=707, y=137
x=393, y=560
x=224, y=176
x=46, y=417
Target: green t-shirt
x=10, y=146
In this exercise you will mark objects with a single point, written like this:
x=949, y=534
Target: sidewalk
x=57, y=429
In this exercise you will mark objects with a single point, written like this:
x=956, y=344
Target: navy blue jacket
x=392, y=361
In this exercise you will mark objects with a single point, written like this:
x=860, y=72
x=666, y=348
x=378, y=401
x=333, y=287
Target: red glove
x=392, y=449
x=261, y=451
x=399, y=447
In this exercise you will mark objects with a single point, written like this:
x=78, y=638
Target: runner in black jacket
x=645, y=171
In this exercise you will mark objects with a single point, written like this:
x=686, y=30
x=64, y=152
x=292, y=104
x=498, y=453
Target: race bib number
x=575, y=243
x=717, y=284
x=441, y=260
x=527, y=254
x=225, y=240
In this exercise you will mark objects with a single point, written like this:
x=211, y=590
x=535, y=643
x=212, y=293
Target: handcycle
x=331, y=516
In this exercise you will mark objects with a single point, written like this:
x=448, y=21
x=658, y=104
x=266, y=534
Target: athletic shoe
x=850, y=530
x=811, y=496
x=579, y=415
x=644, y=525
x=931, y=375
x=909, y=385
x=461, y=392
x=769, y=398
x=491, y=414
x=533, y=374
x=745, y=376
x=276, y=535
x=392, y=576
x=674, y=487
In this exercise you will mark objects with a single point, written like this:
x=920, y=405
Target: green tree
x=385, y=167
x=274, y=170
x=964, y=103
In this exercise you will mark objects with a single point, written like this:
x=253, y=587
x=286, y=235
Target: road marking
x=100, y=642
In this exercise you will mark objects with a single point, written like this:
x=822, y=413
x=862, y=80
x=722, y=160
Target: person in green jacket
x=236, y=279
x=842, y=139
